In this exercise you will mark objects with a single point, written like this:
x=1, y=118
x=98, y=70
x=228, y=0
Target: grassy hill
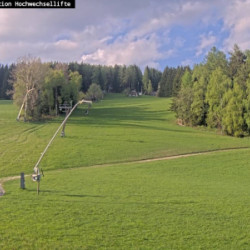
x=118, y=129
x=199, y=202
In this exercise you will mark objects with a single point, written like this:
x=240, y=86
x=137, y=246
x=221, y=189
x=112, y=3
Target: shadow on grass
x=61, y=193
x=33, y=190
x=124, y=117
x=83, y=195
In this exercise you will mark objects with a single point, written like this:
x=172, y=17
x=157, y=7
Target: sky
x=157, y=33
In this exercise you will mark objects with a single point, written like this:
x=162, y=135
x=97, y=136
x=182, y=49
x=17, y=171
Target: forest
x=214, y=93
x=115, y=79
x=41, y=87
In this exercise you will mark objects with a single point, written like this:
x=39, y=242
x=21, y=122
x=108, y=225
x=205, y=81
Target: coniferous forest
x=214, y=93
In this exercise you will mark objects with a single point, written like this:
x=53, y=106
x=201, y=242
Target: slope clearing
x=199, y=202
x=118, y=129
x=196, y=202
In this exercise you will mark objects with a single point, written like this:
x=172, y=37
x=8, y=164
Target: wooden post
x=38, y=180
x=22, y=181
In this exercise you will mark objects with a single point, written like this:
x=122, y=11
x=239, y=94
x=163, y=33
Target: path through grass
x=200, y=202
x=197, y=202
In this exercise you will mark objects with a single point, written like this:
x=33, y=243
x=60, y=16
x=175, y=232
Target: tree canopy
x=215, y=93
x=219, y=95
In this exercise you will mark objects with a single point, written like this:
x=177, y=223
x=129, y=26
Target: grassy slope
x=201, y=202
x=118, y=129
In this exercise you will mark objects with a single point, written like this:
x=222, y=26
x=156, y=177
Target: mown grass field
x=199, y=202
x=118, y=129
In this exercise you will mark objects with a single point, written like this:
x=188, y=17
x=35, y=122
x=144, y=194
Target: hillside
x=96, y=195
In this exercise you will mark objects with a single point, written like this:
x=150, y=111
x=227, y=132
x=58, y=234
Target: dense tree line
x=114, y=79
x=216, y=93
x=170, y=81
x=110, y=78
x=117, y=78
x=151, y=79
x=40, y=88
x=4, y=81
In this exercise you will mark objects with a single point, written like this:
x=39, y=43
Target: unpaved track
x=2, y=192
x=5, y=179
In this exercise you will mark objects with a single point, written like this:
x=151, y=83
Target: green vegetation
x=198, y=202
x=118, y=129
x=94, y=92
x=216, y=93
x=39, y=89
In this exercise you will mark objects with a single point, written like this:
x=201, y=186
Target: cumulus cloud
x=141, y=52
x=206, y=42
x=237, y=21
x=118, y=32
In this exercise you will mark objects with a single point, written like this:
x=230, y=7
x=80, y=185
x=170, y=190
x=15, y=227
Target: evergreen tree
x=237, y=59
x=182, y=104
x=145, y=81
x=116, y=83
x=97, y=76
x=218, y=84
x=233, y=114
x=155, y=77
x=122, y=77
x=165, y=84
x=177, y=79
x=198, y=106
x=133, y=77
x=216, y=59
x=4, y=82
x=247, y=105
x=243, y=69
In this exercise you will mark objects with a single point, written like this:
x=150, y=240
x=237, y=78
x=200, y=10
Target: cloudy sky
x=143, y=32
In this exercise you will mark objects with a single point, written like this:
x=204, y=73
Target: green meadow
x=96, y=196
x=118, y=129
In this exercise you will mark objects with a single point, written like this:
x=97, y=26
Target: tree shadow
x=83, y=196
x=126, y=117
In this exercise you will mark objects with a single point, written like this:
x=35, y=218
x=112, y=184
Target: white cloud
x=206, y=42
x=111, y=31
x=237, y=21
x=141, y=52
x=66, y=44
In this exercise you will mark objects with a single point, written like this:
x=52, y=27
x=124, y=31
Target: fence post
x=22, y=181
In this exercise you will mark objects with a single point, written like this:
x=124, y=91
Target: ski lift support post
x=36, y=175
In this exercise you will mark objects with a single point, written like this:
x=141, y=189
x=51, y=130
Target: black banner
x=36, y=4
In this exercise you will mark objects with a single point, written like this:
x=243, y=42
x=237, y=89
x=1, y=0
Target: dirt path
x=3, y=180
x=2, y=192
x=165, y=157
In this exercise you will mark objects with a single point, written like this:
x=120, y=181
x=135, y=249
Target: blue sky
x=156, y=33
